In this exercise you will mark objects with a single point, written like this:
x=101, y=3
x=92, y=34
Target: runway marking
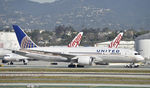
x=73, y=84
x=90, y=74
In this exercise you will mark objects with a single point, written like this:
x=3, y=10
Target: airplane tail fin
x=76, y=41
x=116, y=41
x=23, y=39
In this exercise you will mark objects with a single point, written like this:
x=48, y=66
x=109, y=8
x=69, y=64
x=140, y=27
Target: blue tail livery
x=23, y=39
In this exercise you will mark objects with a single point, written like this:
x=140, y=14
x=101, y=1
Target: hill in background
x=114, y=14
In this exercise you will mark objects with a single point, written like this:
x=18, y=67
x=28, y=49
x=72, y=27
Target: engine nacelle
x=4, y=61
x=84, y=60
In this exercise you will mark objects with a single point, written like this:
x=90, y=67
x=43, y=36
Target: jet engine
x=4, y=61
x=85, y=60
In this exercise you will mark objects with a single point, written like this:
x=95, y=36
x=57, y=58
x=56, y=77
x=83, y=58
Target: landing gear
x=80, y=66
x=11, y=63
x=54, y=63
x=132, y=65
x=71, y=65
x=75, y=66
x=25, y=62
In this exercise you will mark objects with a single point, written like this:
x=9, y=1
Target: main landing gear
x=11, y=63
x=75, y=66
x=132, y=65
x=25, y=62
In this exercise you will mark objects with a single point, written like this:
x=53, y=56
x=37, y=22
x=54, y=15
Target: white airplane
x=7, y=56
x=113, y=44
x=15, y=58
x=11, y=57
x=77, y=57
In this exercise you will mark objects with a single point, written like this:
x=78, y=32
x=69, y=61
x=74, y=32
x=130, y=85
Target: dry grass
x=71, y=70
x=64, y=79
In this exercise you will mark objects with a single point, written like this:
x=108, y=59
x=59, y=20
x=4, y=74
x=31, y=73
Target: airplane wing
x=25, y=52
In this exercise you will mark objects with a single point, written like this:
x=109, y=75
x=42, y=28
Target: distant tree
x=111, y=36
x=60, y=30
x=35, y=35
x=106, y=29
x=141, y=32
x=6, y=29
x=129, y=35
x=69, y=28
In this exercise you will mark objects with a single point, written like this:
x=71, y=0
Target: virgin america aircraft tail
x=76, y=41
x=116, y=41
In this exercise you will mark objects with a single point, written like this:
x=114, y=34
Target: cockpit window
x=136, y=53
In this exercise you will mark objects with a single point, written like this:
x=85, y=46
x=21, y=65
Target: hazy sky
x=44, y=1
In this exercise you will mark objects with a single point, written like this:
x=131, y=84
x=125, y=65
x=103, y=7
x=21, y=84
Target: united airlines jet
x=77, y=57
x=8, y=57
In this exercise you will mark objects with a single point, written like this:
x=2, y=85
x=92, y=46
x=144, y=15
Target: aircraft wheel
x=130, y=66
x=54, y=63
x=71, y=65
x=126, y=66
x=80, y=66
x=11, y=63
x=136, y=66
x=25, y=63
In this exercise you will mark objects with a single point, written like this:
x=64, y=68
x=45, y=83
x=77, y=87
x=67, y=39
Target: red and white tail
x=76, y=41
x=116, y=41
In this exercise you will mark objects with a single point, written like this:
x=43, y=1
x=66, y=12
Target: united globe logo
x=27, y=43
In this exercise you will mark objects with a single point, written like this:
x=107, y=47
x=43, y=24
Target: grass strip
x=64, y=79
x=71, y=77
x=74, y=81
x=72, y=87
x=71, y=70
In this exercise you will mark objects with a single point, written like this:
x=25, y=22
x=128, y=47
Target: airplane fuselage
x=110, y=55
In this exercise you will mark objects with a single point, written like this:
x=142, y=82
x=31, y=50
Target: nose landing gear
x=132, y=65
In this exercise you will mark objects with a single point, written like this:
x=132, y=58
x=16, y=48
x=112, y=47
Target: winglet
x=23, y=40
x=76, y=41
